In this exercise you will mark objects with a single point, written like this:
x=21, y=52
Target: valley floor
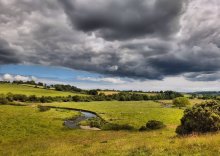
x=24, y=130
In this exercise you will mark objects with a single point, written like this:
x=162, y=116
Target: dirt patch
x=90, y=128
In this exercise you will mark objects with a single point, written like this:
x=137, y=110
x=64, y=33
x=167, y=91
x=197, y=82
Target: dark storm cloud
x=7, y=54
x=203, y=76
x=124, y=19
x=141, y=39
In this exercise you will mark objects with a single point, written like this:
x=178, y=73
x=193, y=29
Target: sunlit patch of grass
x=132, y=113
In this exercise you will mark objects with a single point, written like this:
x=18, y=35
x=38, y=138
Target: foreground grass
x=21, y=121
x=30, y=90
x=26, y=131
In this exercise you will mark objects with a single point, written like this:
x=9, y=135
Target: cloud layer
x=9, y=77
x=143, y=39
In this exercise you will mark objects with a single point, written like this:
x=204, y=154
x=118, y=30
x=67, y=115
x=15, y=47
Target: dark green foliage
x=116, y=127
x=100, y=123
x=43, y=108
x=181, y=102
x=40, y=84
x=200, y=118
x=96, y=122
x=92, y=92
x=3, y=99
x=60, y=87
x=143, y=128
x=19, y=97
x=26, y=82
x=33, y=98
x=130, y=96
x=47, y=99
x=154, y=124
x=207, y=97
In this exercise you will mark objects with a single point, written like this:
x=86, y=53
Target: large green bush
x=181, y=102
x=200, y=118
x=152, y=125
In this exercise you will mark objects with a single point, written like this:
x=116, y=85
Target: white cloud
x=21, y=78
x=9, y=77
x=104, y=79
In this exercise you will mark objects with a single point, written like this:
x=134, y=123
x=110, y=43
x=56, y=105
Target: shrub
x=116, y=127
x=143, y=128
x=3, y=99
x=201, y=118
x=154, y=124
x=43, y=108
x=181, y=102
x=95, y=122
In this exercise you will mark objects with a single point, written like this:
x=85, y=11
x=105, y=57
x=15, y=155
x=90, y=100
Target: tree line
x=5, y=98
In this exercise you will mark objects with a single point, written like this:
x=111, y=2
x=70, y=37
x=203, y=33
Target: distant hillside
x=208, y=93
x=31, y=90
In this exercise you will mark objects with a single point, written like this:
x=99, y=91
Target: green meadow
x=135, y=113
x=31, y=90
x=27, y=131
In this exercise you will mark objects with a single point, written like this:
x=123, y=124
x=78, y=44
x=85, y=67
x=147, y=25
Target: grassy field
x=192, y=101
x=132, y=112
x=30, y=90
x=26, y=131
x=108, y=92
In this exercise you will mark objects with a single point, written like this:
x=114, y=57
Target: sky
x=126, y=44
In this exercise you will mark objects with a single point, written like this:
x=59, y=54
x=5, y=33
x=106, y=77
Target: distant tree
x=40, y=84
x=181, y=102
x=92, y=92
x=60, y=87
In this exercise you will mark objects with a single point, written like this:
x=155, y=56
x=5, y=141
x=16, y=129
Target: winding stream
x=74, y=123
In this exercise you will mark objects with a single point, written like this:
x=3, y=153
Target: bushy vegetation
x=3, y=99
x=129, y=96
x=43, y=108
x=153, y=125
x=201, y=118
x=76, y=98
x=117, y=127
x=69, y=88
x=102, y=124
x=96, y=122
x=181, y=102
